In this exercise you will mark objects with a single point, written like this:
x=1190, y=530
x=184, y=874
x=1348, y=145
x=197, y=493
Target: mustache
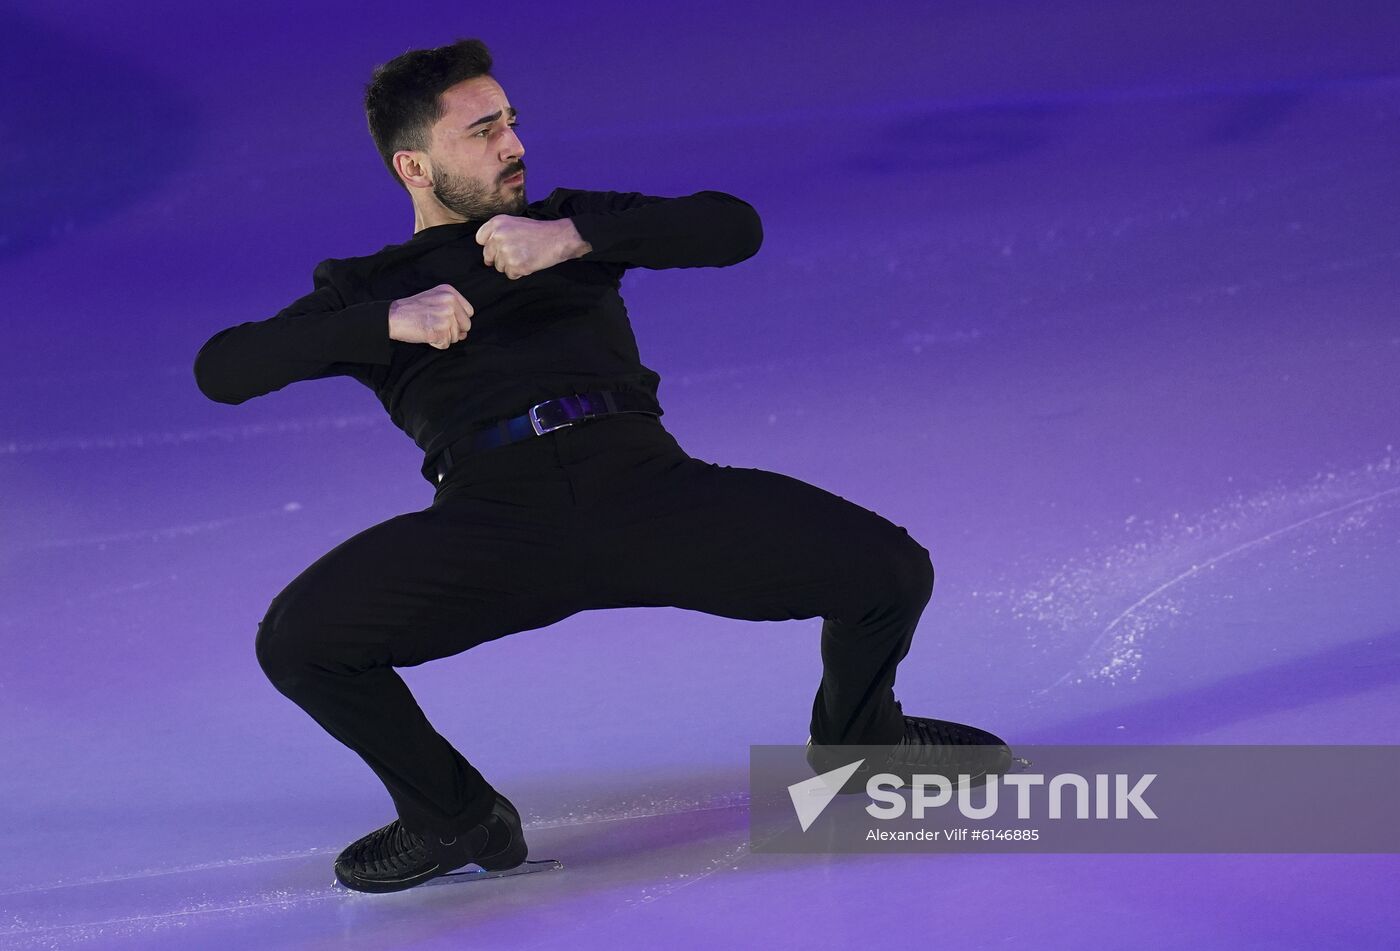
x=514, y=171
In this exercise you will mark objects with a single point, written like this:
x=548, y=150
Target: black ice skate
x=393, y=858
x=938, y=747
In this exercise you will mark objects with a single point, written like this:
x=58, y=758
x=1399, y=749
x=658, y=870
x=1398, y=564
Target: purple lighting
x=1098, y=301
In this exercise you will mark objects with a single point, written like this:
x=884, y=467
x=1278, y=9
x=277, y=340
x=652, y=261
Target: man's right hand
x=439, y=316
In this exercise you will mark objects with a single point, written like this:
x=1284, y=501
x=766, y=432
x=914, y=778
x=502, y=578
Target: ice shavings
x=1116, y=599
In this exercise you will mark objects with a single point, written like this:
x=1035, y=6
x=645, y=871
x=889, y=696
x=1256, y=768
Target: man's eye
x=488, y=131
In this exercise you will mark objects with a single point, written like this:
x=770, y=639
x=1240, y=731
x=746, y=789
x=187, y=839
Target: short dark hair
x=404, y=96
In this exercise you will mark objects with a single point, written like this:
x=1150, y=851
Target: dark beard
x=472, y=200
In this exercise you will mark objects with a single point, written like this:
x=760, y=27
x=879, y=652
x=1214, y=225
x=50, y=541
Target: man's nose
x=511, y=146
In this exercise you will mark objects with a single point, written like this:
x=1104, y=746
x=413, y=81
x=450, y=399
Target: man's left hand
x=518, y=246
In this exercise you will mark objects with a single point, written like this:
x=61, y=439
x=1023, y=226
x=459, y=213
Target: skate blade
x=481, y=874
x=478, y=874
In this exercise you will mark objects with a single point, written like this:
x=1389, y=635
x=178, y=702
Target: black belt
x=537, y=420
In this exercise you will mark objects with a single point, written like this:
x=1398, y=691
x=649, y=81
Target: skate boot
x=393, y=858
x=928, y=746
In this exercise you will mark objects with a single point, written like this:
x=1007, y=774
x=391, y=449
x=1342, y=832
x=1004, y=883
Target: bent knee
x=895, y=579
x=281, y=653
x=912, y=571
x=900, y=568
x=898, y=572
x=268, y=648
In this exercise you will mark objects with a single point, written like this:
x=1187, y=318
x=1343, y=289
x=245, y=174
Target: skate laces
x=391, y=849
x=932, y=743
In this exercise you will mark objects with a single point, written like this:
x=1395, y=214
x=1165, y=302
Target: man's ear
x=414, y=168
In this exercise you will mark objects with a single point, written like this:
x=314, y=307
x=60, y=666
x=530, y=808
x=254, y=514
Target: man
x=496, y=338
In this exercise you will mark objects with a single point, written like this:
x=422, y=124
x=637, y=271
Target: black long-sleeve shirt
x=551, y=333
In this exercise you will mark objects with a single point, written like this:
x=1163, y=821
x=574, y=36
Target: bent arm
x=314, y=337
x=706, y=229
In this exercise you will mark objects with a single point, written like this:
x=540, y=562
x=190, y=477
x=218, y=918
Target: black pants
x=607, y=513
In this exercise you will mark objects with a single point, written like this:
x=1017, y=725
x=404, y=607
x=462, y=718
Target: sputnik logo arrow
x=811, y=796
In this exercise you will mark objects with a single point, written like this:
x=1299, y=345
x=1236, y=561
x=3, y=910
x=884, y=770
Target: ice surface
x=1097, y=300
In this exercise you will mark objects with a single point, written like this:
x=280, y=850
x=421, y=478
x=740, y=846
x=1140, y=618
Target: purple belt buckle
x=572, y=407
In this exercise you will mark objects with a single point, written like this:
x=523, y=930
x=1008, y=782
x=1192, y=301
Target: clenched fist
x=439, y=316
x=518, y=246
